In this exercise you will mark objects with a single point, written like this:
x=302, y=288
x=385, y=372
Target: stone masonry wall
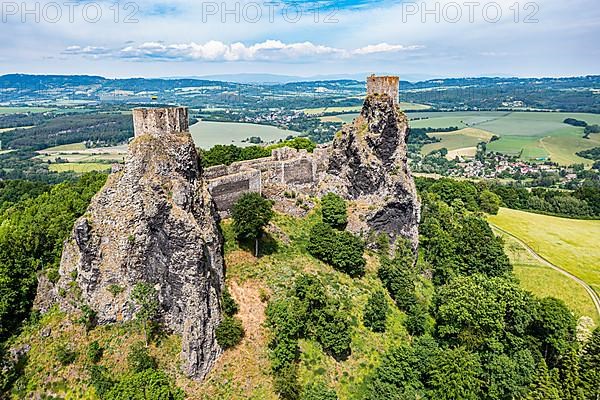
x=285, y=167
x=160, y=121
x=389, y=85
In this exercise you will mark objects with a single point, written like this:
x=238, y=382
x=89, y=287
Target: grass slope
x=543, y=281
x=568, y=243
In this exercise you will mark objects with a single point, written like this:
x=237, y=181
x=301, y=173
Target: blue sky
x=421, y=39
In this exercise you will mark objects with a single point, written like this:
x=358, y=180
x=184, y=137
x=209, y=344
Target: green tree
x=396, y=376
x=342, y=250
x=554, y=326
x=376, y=311
x=589, y=367
x=489, y=202
x=570, y=385
x=472, y=311
x=139, y=359
x=94, y=352
x=456, y=376
x=398, y=276
x=146, y=299
x=544, y=386
x=251, y=213
x=334, y=210
x=31, y=241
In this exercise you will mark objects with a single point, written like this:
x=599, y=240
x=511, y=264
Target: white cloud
x=384, y=48
x=268, y=50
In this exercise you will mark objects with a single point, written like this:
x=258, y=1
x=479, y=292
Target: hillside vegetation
x=453, y=325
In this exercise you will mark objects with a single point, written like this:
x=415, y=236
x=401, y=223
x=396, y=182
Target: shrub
x=286, y=383
x=148, y=384
x=94, y=352
x=139, y=359
x=115, y=290
x=334, y=209
x=417, y=321
x=398, y=279
x=64, y=354
x=318, y=391
x=333, y=331
x=228, y=304
x=341, y=250
x=100, y=380
x=230, y=332
x=88, y=317
x=375, y=313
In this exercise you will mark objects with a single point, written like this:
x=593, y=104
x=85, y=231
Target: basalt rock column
x=369, y=164
x=155, y=222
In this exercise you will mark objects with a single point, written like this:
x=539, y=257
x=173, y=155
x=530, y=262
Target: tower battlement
x=160, y=121
x=389, y=85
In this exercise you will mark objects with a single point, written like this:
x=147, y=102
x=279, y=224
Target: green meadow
x=568, y=243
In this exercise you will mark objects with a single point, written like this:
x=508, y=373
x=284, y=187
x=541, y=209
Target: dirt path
x=588, y=288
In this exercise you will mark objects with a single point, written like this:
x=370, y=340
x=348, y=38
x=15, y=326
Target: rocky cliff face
x=368, y=164
x=153, y=222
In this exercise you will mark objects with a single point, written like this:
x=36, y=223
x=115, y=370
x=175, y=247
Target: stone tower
x=389, y=85
x=160, y=121
x=153, y=222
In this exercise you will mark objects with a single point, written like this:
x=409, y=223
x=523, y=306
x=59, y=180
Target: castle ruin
x=286, y=169
x=389, y=85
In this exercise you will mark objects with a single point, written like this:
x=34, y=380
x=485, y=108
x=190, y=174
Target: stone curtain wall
x=286, y=166
x=389, y=85
x=227, y=189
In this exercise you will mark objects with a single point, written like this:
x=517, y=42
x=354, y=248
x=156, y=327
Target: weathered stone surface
x=368, y=164
x=153, y=222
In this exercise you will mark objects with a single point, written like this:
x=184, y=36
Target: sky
x=414, y=39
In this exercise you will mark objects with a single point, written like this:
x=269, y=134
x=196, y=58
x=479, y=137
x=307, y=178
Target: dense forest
x=584, y=202
x=100, y=129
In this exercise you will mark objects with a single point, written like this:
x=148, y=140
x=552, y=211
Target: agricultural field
x=208, y=134
x=79, y=167
x=15, y=110
x=77, y=158
x=462, y=142
x=404, y=106
x=532, y=135
x=567, y=243
x=543, y=281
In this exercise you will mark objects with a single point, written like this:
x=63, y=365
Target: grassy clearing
x=79, y=167
x=567, y=243
x=543, y=281
x=209, y=134
x=461, y=139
